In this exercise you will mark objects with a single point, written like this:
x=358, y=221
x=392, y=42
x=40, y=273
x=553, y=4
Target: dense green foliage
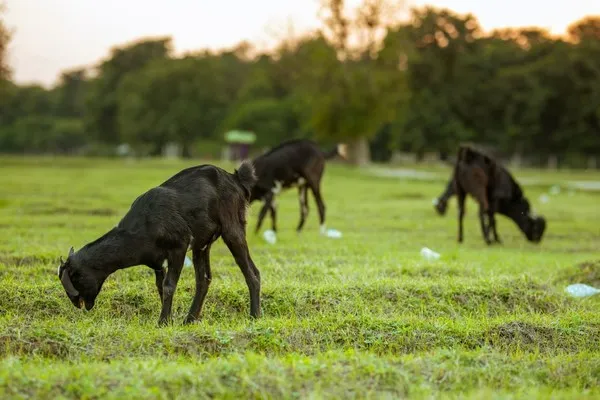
x=431, y=83
x=361, y=316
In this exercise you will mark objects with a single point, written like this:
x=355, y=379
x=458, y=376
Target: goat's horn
x=68, y=285
x=71, y=251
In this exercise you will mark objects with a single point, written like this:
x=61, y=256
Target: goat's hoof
x=164, y=322
x=190, y=320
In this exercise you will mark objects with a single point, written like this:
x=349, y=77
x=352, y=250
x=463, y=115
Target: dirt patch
x=529, y=337
x=587, y=272
x=71, y=211
x=521, y=332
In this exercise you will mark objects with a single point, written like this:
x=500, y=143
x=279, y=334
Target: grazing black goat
x=496, y=191
x=293, y=163
x=192, y=209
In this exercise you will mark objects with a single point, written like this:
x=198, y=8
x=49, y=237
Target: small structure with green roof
x=239, y=143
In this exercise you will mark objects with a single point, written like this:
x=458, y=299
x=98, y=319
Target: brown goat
x=492, y=186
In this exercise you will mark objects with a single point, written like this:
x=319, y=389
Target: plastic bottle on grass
x=270, y=236
x=429, y=254
x=581, y=290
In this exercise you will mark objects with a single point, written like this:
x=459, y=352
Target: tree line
x=421, y=85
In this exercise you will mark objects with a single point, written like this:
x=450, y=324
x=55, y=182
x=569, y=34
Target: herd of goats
x=195, y=207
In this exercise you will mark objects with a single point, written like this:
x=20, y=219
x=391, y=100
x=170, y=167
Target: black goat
x=192, y=209
x=495, y=190
x=296, y=162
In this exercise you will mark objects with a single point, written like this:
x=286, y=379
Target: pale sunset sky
x=54, y=35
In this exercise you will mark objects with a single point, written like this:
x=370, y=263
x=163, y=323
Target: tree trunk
x=358, y=152
x=185, y=150
x=592, y=162
x=157, y=149
x=552, y=161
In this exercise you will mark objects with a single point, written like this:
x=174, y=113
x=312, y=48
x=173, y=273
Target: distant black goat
x=495, y=190
x=190, y=210
x=295, y=162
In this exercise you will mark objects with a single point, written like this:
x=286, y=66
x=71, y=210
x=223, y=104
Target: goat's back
x=474, y=167
x=291, y=157
x=196, y=196
x=474, y=170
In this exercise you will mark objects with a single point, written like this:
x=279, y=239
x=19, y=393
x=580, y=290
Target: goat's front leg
x=203, y=278
x=175, y=261
x=302, y=197
x=263, y=211
x=273, y=209
x=492, y=219
x=485, y=225
x=235, y=240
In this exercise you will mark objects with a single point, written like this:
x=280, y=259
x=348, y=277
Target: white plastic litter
x=544, y=198
x=581, y=290
x=554, y=190
x=429, y=254
x=187, y=262
x=332, y=233
x=270, y=236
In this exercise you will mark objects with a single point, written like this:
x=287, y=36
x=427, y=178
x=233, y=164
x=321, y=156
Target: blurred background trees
x=366, y=78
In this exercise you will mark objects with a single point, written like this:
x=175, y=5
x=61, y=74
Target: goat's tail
x=340, y=150
x=246, y=176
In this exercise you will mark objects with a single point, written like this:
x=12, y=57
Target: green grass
x=363, y=316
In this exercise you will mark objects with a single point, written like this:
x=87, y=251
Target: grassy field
x=363, y=316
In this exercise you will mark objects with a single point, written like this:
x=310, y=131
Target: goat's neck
x=113, y=251
x=449, y=191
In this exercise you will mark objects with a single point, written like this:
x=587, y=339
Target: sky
x=55, y=35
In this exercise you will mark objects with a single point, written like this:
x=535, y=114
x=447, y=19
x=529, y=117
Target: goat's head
x=81, y=285
x=533, y=226
x=441, y=205
x=257, y=192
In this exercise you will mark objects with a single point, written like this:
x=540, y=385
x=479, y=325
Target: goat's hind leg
x=314, y=187
x=203, y=278
x=159, y=278
x=461, y=197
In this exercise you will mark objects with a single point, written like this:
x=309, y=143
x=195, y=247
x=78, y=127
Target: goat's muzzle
x=538, y=227
x=440, y=206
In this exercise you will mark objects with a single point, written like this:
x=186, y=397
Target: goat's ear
x=71, y=251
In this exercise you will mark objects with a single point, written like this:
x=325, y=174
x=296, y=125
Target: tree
x=355, y=100
x=5, y=36
x=101, y=104
x=180, y=100
x=440, y=49
x=70, y=93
